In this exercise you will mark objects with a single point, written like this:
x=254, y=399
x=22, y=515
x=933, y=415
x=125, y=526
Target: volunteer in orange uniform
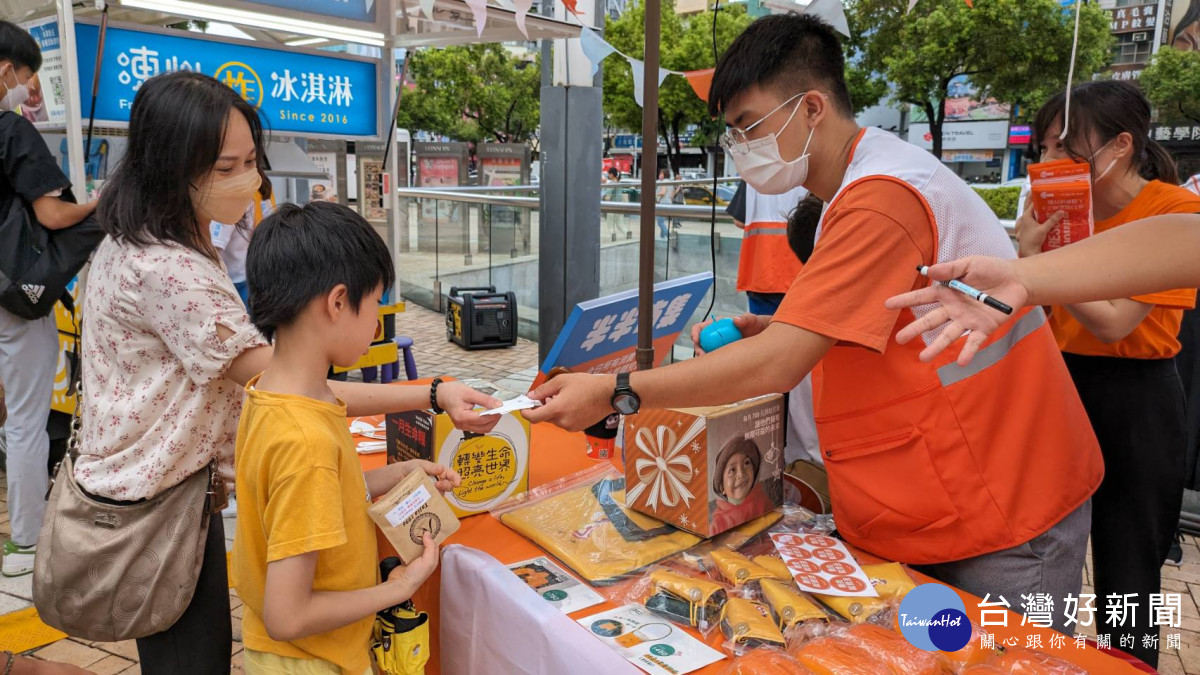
x=1121, y=353
x=766, y=265
x=984, y=472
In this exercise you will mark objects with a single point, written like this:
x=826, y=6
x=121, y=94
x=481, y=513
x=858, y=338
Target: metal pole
x=645, y=349
x=72, y=98
x=87, y=147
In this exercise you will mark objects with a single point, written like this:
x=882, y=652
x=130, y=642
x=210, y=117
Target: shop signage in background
x=324, y=190
x=1127, y=72
x=1173, y=134
x=296, y=92
x=627, y=141
x=353, y=10
x=963, y=106
x=991, y=135
x=1133, y=19
x=967, y=155
x=1020, y=134
x=47, y=105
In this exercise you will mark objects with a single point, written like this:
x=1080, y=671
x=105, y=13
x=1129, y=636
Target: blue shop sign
x=296, y=92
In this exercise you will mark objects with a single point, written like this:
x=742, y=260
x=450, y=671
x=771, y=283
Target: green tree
x=475, y=93
x=1172, y=83
x=686, y=43
x=1016, y=51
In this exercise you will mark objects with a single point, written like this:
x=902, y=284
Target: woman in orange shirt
x=1121, y=353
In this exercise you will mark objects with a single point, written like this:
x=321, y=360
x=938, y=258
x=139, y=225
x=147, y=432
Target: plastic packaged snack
x=774, y=565
x=890, y=581
x=582, y=520
x=899, y=654
x=974, y=653
x=788, y=607
x=834, y=656
x=1026, y=662
x=766, y=662
x=748, y=625
x=737, y=569
x=1063, y=185
x=751, y=538
x=685, y=600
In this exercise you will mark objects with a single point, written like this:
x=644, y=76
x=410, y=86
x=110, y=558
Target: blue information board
x=600, y=336
x=296, y=92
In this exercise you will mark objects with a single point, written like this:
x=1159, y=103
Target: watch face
x=626, y=404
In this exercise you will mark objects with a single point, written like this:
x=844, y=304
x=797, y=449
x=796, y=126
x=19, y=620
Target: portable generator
x=481, y=318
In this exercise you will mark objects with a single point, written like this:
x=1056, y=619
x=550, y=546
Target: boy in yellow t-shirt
x=304, y=556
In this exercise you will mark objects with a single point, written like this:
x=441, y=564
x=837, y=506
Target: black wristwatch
x=624, y=399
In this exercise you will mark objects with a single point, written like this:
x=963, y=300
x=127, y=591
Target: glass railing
x=472, y=237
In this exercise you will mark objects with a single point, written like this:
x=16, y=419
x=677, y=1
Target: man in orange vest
x=980, y=474
x=766, y=265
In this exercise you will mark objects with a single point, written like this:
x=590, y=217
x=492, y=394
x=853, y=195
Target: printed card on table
x=649, y=642
x=822, y=564
x=556, y=585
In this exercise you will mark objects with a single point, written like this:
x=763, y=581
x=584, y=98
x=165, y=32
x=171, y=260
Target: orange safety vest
x=936, y=462
x=767, y=263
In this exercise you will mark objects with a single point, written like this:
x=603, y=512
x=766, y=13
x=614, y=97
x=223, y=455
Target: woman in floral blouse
x=167, y=344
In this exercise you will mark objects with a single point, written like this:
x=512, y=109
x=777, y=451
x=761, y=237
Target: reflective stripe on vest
x=990, y=355
x=754, y=231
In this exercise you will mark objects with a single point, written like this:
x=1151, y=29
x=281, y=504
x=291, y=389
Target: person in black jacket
x=31, y=185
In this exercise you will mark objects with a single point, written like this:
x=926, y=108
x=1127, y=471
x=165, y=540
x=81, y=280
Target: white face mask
x=1108, y=168
x=17, y=93
x=759, y=162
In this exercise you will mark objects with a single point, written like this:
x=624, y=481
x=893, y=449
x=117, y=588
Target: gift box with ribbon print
x=706, y=470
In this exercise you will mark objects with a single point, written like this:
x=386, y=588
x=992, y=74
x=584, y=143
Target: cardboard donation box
x=493, y=466
x=706, y=470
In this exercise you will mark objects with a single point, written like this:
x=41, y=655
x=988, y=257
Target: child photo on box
x=740, y=494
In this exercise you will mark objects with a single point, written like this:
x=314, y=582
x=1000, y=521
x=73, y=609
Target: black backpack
x=37, y=264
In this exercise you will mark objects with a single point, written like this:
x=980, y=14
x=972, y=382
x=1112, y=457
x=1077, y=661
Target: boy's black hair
x=18, y=46
x=302, y=252
x=614, y=172
x=792, y=53
x=802, y=226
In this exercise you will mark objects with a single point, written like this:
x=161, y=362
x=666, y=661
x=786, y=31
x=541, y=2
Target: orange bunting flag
x=571, y=6
x=701, y=81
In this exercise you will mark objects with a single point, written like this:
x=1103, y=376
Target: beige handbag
x=111, y=572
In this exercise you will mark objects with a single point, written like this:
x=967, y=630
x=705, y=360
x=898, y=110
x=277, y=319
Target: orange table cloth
x=555, y=453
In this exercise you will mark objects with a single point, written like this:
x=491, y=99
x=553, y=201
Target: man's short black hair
x=302, y=252
x=791, y=53
x=613, y=172
x=18, y=46
x=802, y=226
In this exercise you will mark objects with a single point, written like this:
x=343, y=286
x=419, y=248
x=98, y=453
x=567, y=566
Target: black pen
x=971, y=292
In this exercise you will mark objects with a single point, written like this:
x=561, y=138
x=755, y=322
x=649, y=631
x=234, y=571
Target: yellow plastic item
x=737, y=568
x=749, y=623
x=694, y=590
x=775, y=566
x=890, y=582
x=401, y=653
x=789, y=607
x=571, y=524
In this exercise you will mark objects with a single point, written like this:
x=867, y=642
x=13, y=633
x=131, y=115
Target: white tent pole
x=66, y=32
